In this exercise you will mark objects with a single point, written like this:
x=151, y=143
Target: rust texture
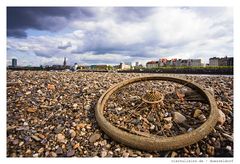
x=153, y=142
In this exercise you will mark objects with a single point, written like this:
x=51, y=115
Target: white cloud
x=161, y=32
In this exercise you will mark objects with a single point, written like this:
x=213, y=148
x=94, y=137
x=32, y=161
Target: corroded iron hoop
x=160, y=143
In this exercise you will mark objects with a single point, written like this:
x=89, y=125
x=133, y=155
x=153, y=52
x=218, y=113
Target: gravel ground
x=51, y=114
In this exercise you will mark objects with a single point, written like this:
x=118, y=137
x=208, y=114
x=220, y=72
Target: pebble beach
x=52, y=114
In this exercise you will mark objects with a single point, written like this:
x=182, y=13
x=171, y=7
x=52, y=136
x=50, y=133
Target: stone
x=168, y=126
x=152, y=127
x=28, y=93
x=31, y=110
x=213, y=139
x=104, y=153
x=40, y=150
x=35, y=155
x=89, y=126
x=168, y=119
x=125, y=154
x=60, y=137
x=87, y=107
x=36, y=138
x=229, y=148
x=39, y=91
x=118, y=108
x=53, y=154
x=174, y=154
x=72, y=133
x=178, y=117
x=75, y=106
x=210, y=150
x=50, y=87
x=228, y=137
x=25, y=124
x=15, y=142
x=197, y=113
x=59, y=150
x=80, y=126
x=198, y=151
x=41, y=136
x=108, y=146
x=221, y=118
x=117, y=149
x=94, y=137
x=28, y=151
x=76, y=146
x=190, y=129
x=70, y=153
x=202, y=118
x=59, y=129
x=21, y=143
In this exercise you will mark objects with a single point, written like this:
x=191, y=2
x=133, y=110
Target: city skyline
x=88, y=35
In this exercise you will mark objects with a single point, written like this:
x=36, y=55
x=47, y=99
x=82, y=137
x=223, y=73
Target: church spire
x=64, y=62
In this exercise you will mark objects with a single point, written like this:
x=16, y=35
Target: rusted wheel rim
x=157, y=143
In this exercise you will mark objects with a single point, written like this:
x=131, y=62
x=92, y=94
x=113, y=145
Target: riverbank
x=224, y=70
x=51, y=114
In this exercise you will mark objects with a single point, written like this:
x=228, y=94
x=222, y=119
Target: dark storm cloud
x=51, y=19
x=18, y=33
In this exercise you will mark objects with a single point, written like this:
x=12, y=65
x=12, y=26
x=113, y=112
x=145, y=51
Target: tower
x=14, y=62
x=64, y=62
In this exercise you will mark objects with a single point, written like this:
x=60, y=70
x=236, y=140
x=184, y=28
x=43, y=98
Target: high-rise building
x=14, y=62
x=137, y=64
x=64, y=62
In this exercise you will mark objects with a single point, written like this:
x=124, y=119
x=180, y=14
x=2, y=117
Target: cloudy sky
x=95, y=35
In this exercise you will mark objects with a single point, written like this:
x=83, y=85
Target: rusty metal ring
x=159, y=143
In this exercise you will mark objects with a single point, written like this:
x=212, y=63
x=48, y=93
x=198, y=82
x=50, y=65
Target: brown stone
x=31, y=109
x=94, y=137
x=50, y=86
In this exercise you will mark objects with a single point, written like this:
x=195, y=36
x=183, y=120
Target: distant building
x=175, y=62
x=64, y=62
x=137, y=64
x=162, y=62
x=216, y=61
x=195, y=62
x=125, y=65
x=226, y=61
x=14, y=62
x=230, y=61
x=178, y=62
x=184, y=62
x=152, y=64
